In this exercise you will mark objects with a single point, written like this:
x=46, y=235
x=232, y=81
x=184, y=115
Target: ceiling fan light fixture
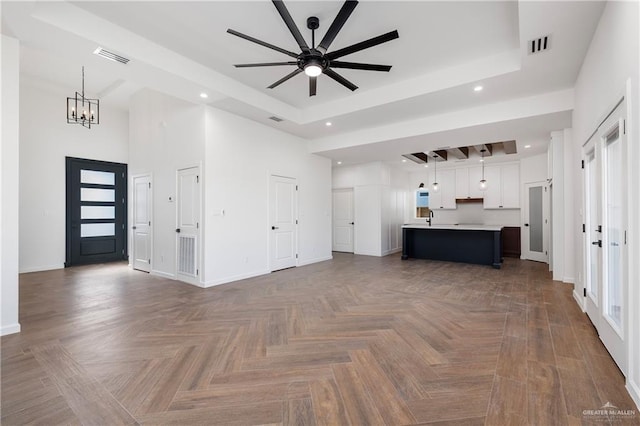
x=313, y=70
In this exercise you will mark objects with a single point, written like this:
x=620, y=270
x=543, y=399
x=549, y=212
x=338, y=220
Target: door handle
x=133, y=227
x=526, y=224
x=597, y=243
x=178, y=230
x=351, y=223
x=274, y=227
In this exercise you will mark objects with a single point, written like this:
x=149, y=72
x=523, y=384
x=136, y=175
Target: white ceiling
x=426, y=100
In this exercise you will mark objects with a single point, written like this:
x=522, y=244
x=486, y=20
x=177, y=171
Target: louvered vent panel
x=538, y=45
x=110, y=55
x=187, y=255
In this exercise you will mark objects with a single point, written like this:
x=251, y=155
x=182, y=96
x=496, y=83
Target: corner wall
x=610, y=69
x=379, y=194
x=45, y=140
x=166, y=134
x=240, y=156
x=9, y=176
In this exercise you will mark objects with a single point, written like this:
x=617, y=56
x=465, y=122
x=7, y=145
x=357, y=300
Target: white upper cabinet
x=468, y=182
x=445, y=198
x=503, y=187
x=462, y=183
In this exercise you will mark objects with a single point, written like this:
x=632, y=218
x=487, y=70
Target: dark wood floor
x=357, y=340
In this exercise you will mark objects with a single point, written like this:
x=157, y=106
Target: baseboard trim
x=634, y=391
x=579, y=300
x=10, y=329
x=41, y=268
x=162, y=274
x=233, y=278
x=316, y=260
x=570, y=280
x=393, y=251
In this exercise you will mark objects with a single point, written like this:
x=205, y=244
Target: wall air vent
x=110, y=55
x=538, y=45
x=276, y=119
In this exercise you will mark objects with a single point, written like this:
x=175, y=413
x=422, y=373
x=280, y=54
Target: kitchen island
x=479, y=244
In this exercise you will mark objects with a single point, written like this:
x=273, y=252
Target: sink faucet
x=430, y=216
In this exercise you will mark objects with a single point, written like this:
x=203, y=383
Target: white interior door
x=606, y=234
x=535, y=222
x=188, y=224
x=283, y=241
x=142, y=209
x=343, y=224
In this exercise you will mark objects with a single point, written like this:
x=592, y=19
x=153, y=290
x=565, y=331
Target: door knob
x=178, y=230
x=526, y=224
x=274, y=227
x=351, y=223
x=133, y=227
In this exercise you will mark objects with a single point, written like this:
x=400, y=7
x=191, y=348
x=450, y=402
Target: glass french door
x=605, y=181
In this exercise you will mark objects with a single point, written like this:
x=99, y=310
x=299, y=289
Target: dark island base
x=453, y=245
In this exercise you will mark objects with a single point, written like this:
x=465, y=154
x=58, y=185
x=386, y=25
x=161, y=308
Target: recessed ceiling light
x=478, y=89
x=404, y=161
x=328, y=123
x=426, y=165
x=527, y=146
x=339, y=162
x=204, y=95
x=482, y=160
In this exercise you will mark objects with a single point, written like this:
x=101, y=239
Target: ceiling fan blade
x=285, y=78
x=336, y=25
x=340, y=79
x=363, y=45
x=262, y=43
x=288, y=20
x=265, y=64
x=313, y=83
x=358, y=66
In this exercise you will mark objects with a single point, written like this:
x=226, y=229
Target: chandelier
x=82, y=110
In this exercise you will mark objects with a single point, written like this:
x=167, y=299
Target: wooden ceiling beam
x=461, y=153
x=440, y=155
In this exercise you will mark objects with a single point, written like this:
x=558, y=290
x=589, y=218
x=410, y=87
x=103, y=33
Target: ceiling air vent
x=276, y=119
x=110, y=55
x=538, y=45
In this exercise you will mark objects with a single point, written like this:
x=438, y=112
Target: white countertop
x=454, y=227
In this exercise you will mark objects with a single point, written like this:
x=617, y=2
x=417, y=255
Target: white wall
x=45, y=140
x=379, y=205
x=559, y=202
x=240, y=157
x=610, y=67
x=166, y=134
x=9, y=175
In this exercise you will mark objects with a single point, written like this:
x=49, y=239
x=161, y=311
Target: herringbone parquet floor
x=357, y=340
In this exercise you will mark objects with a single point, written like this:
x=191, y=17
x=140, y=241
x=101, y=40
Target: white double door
x=605, y=236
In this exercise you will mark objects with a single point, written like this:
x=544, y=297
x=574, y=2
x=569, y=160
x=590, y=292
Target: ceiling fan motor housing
x=313, y=57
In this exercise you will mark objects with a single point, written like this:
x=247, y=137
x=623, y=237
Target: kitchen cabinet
x=467, y=181
x=503, y=187
x=445, y=198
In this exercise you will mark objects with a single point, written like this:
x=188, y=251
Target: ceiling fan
x=315, y=60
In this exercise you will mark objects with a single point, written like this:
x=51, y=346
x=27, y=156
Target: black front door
x=96, y=211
